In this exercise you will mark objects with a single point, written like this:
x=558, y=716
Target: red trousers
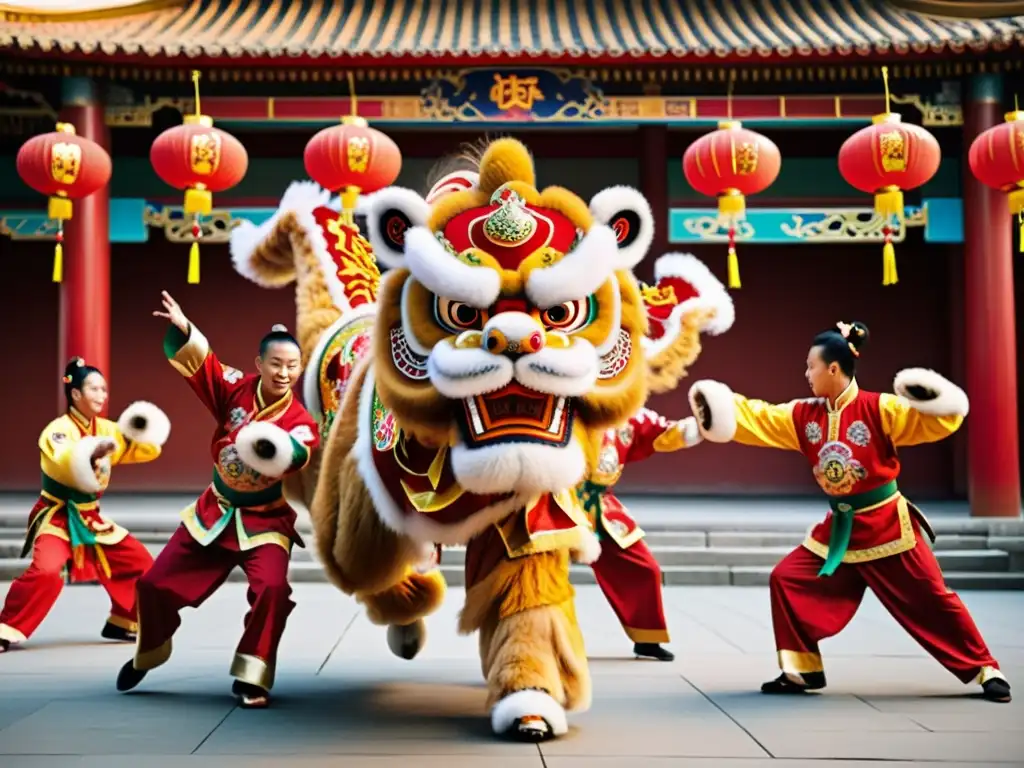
x=807, y=609
x=33, y=594
x=187, y=573
x=631, y=581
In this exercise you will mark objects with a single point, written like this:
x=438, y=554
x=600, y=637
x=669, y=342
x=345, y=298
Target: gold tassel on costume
x=889, y=274
x=1020, y=232
x=193, y=264
x=101, y=559
x=58, y=262
x=734, y=269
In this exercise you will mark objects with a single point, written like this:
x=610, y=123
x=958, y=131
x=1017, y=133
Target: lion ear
x=629, y=215
x=390, y=213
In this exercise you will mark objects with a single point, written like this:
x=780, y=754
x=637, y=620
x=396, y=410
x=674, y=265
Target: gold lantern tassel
x=193, y=264
x=58, y=262
x=734, y=269
x=1020, y=232
x=889, y=274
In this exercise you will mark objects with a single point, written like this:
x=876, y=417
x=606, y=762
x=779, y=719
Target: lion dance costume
x=461, y=401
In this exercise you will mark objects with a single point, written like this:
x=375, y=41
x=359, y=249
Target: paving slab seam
x=736, y=722
x=335, y=646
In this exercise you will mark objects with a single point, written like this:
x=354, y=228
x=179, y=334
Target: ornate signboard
x=518, y=95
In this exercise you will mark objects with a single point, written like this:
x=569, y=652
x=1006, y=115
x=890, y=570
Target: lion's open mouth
x=515, y=414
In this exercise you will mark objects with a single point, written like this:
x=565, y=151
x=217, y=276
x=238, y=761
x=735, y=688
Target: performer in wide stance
x=626, y=570
x=242, y=519
x=872, y=539
x=76, y=452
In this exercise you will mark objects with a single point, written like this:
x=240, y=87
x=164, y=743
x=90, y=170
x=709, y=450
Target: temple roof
x=434, y=30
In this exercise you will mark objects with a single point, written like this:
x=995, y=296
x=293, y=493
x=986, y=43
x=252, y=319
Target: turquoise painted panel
x=945, y=223
x=813, y=225
x=127, y=224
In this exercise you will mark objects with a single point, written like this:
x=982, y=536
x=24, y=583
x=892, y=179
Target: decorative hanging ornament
x=731, y=163
x=201, y=160
x=66, y=167
x=886, y=159
x=997, y=160
x=352, y=158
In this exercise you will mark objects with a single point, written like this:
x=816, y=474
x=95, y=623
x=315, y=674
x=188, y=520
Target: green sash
x=843, y=510
x=78, y=532
x=590, y=495
x=229, y=500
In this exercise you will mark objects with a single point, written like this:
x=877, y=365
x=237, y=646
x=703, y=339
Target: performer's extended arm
x=927, y=407
x=272, y=451
x=189, y=354
x=140, y=433
x=724, y=416
x=653, y=433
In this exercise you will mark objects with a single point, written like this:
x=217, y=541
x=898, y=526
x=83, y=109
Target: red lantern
x=997, y=160
x=201, y=160
x=729, y=164
x=885, y=159
x=353, y=158
x=66, y=167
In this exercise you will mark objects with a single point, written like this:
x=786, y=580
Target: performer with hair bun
x=874, y=537
x=242, y=519
x=77, y=451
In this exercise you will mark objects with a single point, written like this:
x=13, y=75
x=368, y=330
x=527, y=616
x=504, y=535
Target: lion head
x=509, y=327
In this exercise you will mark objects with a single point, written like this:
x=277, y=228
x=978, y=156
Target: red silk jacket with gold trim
x=240, y=496
x=852, y=450
x=645, y=434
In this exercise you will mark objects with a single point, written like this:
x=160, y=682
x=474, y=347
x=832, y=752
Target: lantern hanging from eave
x=731, y=163
x=352, y=158
x=201, y=160
x=886, y=159
x=997, y=160
x=65, y=167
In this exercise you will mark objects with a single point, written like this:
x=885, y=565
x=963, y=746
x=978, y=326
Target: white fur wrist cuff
x=713, y=406
x=143, y=422
x=87, y=479
x=938, y=395
x=266, y=448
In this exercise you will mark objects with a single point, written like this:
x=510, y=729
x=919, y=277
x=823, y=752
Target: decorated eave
x=486, y=32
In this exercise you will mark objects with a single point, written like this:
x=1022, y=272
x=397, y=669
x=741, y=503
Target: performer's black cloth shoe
x=252, y=696
x=813, y=681
x=129, y=677
x=5, y=645
x=114, y=632
x=653, y=651
x=996, y=689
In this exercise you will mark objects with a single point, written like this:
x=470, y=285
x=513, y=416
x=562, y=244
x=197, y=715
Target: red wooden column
x=85, y=292
x=989, y=324
x=652, y=156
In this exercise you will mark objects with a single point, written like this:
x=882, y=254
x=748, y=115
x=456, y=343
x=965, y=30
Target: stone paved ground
x=343, y=700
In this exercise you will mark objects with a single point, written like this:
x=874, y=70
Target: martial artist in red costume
x=626, y=571
x=76, y=452
x=242, y=518
x=874, y=537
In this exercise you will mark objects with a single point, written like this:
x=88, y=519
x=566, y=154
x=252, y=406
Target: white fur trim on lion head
x=390, y=214
x=948, y=400
x=721, y=409
x=444, y=275
x=579, y=273
x=143, y=422
x=628, y=214
x=711, y=294
x=300, y=198
x=280, y=459
x=458, y=181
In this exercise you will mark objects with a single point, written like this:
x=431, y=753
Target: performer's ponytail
x=842, y=345
x=75, y=374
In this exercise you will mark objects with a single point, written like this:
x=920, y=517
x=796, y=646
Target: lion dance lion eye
x=567, y=317
x=457, y=316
